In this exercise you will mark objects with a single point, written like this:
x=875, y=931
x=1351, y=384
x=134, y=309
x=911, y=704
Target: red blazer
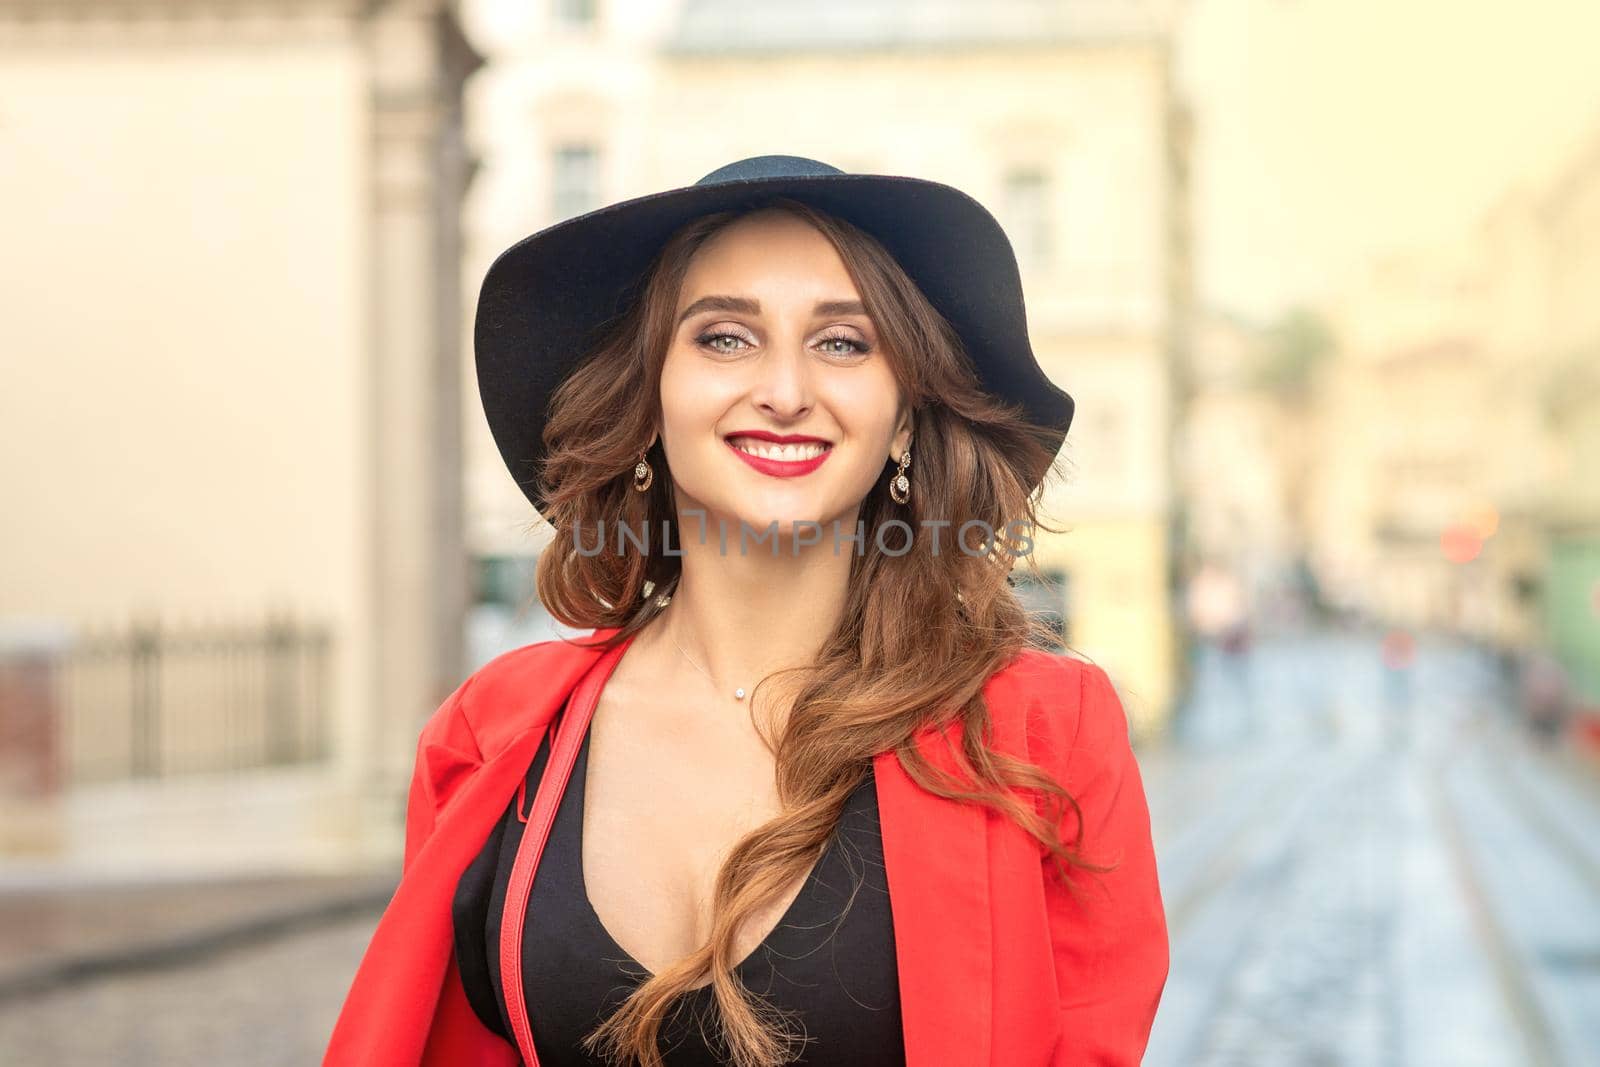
x=999, y=966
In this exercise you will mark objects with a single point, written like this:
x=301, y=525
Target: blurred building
x=1063, y=118
x=561, y=118
x=1461, y=428
x=1570, y=404
x=1407, y=446
x=234, y=577
x=1520, y=445
x=1242, y=455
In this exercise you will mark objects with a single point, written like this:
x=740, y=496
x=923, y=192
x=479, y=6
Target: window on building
x=575, y=12
x=575, y=180
x=1026, y=205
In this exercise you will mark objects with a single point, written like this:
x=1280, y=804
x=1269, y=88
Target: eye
x=706, y=340
x=851, y=346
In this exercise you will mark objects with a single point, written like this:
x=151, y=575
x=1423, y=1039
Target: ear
x=902, y=436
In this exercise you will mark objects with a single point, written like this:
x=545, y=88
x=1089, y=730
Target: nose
x=783, y=386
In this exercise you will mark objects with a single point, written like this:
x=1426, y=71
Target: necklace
x=738, y=693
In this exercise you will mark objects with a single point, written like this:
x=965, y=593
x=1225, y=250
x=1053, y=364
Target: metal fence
x=152, y=701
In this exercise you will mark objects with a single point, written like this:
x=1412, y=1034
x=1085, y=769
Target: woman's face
x=771, y=340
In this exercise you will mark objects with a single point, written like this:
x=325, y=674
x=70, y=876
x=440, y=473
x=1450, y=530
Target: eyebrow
x=746, y=306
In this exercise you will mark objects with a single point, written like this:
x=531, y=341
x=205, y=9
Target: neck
x=742, y=616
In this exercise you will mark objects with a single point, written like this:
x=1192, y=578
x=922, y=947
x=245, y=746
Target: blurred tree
x=1571, y=376
x=1291, y=349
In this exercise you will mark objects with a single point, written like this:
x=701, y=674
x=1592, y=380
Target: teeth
x=770, y=450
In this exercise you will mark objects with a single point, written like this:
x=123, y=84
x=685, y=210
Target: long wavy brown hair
x=919, y=635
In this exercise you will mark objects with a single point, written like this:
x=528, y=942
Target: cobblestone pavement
x=260, y=1005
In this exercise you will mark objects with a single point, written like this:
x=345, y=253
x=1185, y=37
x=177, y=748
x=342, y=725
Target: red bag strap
x=558, y=770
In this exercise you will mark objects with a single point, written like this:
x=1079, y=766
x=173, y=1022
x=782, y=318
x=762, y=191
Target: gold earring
x=643, y=473
x=900, y=486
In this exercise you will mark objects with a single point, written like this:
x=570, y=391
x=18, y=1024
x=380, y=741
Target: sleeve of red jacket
x=1110, y=937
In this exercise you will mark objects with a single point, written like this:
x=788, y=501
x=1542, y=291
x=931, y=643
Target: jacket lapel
x=936, y=860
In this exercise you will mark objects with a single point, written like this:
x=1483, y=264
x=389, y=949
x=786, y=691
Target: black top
x=830, y=960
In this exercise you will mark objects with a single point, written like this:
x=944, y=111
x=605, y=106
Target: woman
x=811, y=792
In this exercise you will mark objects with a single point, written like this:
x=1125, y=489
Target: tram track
x=1511, y=974
x=1538, y=982
x=1584, y=859
x=1223, y=922
x=1217, y=851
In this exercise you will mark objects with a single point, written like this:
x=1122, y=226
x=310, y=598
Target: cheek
x=866, y=409
x=691, y=399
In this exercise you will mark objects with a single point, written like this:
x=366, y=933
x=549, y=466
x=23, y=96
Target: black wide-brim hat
x=546, y=298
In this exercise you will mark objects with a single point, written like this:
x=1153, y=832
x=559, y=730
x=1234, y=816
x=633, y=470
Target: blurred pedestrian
x=1545, y=696
x=1215, y=604
x=1399, y=654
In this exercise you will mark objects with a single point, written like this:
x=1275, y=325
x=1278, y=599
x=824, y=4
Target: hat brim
x=545, y=299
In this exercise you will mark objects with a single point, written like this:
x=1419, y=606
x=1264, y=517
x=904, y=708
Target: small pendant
x=738, y=694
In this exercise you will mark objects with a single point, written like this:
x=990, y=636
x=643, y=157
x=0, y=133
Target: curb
x=187, y=948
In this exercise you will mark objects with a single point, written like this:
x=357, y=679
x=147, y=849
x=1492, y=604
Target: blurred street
x=1359, y=870
x=1325, y=512
x=248, y=971
x=1366, y=868
x=269, y=1004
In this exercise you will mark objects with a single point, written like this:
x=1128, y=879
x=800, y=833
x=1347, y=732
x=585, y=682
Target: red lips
x=779, y=468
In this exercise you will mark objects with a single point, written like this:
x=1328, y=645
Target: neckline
x=580, y=783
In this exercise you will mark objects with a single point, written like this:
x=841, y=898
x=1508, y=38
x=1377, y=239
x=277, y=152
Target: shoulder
x=513, y=692
x=1056, y=709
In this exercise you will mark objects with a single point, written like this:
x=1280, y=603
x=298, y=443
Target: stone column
x=419, y=61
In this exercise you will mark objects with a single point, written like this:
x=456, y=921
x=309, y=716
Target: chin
x=787, y=519
x=816, y=523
